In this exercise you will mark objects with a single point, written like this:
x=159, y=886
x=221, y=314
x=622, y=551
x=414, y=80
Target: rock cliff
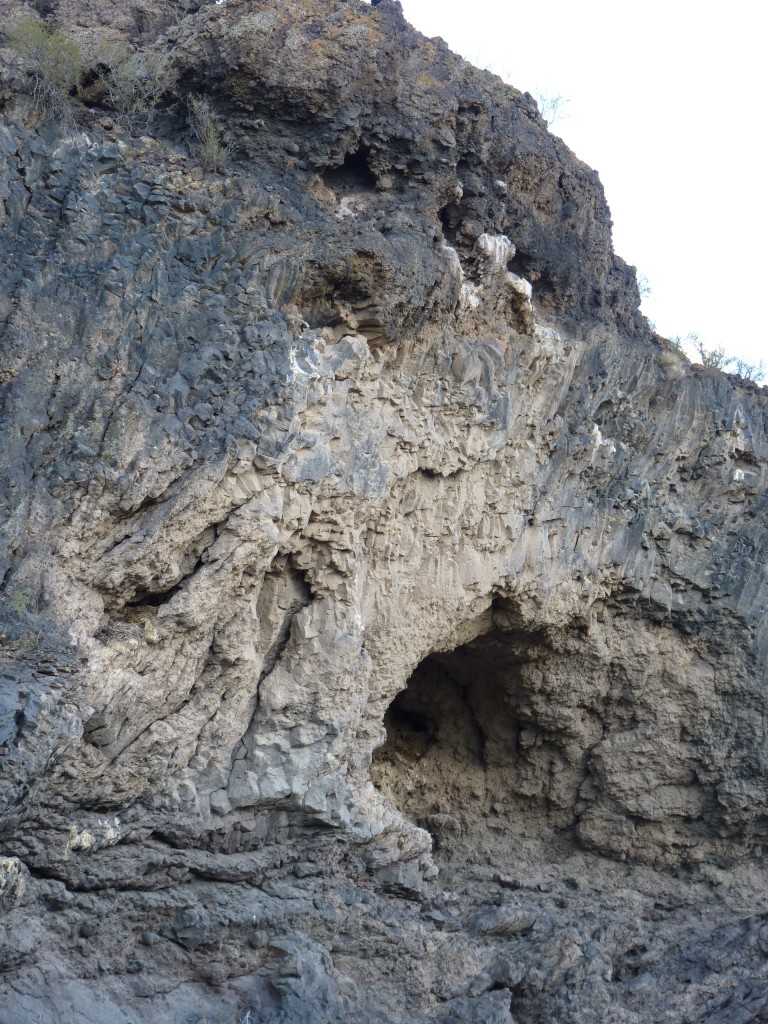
x=383, y=607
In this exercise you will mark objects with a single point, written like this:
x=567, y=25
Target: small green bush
x=20, y=602
x=53, y=61
x=208, y=147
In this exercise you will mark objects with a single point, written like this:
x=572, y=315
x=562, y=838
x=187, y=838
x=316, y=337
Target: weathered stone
x=355, y=529
x=504, y=921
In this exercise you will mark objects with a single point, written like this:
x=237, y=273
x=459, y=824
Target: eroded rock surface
x=383, y=608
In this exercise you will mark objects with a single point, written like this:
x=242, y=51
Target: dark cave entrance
x=354, y=174
x=477, y=752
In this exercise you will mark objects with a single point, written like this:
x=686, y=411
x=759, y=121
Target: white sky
x=667, y=102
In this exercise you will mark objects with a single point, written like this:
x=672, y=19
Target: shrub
x=670, y=359
x=750, y=371
x=717, y=358
x=20, y=602
x=208, y=147
x=551, y=108
x=134, y=84
x=53, y=61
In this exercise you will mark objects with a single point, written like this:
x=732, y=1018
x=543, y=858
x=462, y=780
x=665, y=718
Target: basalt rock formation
x=383, y=604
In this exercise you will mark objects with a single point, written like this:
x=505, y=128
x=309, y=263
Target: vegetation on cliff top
x=133, y=84
x=53, y=62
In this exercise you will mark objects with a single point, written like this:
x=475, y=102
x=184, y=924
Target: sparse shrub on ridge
x=551, y=108
x=750, y=371
x=208, y=147
x=134, y=84
x=54, y=62
x=718, y=359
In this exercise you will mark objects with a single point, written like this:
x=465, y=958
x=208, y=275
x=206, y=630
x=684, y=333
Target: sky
x=666, y=100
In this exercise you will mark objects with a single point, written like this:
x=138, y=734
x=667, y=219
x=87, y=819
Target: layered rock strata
x=356, y=529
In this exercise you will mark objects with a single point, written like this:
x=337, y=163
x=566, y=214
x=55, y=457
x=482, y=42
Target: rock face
x=383, y=608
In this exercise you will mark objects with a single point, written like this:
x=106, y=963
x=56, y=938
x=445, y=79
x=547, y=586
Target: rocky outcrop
x=383, y=604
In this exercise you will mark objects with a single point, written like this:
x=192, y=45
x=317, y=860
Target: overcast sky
x=666, y=102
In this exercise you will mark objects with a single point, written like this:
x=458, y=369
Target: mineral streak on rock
x=383, y=614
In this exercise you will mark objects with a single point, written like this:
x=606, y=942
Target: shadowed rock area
x=383, y=607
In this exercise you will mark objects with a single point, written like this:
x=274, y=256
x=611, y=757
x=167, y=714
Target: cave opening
x=354, y=174
x=450, y=218
x=476, y=750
